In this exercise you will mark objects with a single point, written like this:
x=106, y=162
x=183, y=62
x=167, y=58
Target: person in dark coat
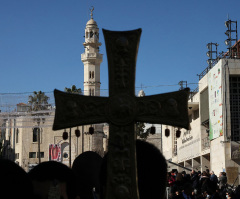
x=86, y=168
x=14, y=182
x=222, y=180
x=204, y=182
x=186, y=177
x=214, y=180
x=178, y=185
x=213, y=177
x=186, y=192
x=195, y=181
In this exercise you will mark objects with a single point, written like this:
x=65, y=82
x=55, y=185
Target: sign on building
x=55, y=152
x=215, y=102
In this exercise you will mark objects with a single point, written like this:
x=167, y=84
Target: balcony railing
x=205, y=143
x=91, y=55
x=194, y=92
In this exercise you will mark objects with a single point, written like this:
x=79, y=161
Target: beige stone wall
x=26, y=145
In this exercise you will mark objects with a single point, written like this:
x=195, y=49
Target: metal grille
x=235, y=107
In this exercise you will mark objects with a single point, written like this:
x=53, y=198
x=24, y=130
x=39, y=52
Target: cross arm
x=168, y=108
x=76, y=110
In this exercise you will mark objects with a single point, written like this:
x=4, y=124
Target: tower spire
x=92, y=12
x=91, y=58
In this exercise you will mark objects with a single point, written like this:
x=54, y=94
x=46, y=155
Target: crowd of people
x=199, y=185
x=87, y=179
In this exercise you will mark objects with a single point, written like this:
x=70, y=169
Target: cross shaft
x=121, y=110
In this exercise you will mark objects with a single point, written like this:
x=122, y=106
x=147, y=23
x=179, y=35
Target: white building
x=214, y=114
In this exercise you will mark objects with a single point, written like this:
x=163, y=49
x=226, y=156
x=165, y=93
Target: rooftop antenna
x=181, y=84
x=210, y=53
x=230, y=30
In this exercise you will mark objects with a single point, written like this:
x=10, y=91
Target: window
x=91, y=34
x=17, y=134
x=16, y=156
x=32, y=154
x=196, y=114
x=97, y=35
x=204, y=106
x=35, y=134
x=92, y=92
x=234, y=82
x=190, y=118
x=92, y=74
x=174, y=143
x=41, y=154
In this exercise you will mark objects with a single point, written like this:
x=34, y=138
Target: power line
x=104, y=89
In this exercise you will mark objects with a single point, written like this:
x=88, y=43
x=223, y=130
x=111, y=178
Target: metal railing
x=214, y=62
x=194, y=92
x=205, y=143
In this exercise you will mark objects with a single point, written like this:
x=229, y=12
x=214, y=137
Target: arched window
x=91, y=34
x=35, y=134
x=93, y=92
x=90, y=92
x=96, y=33
x=17, y=134
x=92, y=74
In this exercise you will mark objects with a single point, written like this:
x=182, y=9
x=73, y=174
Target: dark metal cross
x=121, y=110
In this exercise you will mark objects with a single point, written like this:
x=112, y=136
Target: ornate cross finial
x=92, y=12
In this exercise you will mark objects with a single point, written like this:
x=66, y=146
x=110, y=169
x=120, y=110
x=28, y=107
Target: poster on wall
x=55, y=152
x=215, y=102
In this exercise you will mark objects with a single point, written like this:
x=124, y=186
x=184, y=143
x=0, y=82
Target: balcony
x=205, y=143
x=90, y=56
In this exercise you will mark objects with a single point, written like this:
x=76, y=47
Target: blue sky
x=41, y=40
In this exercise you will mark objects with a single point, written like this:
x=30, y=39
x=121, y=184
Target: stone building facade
x=213, y=141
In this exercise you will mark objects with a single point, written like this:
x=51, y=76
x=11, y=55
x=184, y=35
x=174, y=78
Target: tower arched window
x=96, y=33
x=90, y=91
x=91, y=34
x=35, y=134
x=93, y=92
x=92, y=74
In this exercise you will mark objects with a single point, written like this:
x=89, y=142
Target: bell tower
x=91, y=58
